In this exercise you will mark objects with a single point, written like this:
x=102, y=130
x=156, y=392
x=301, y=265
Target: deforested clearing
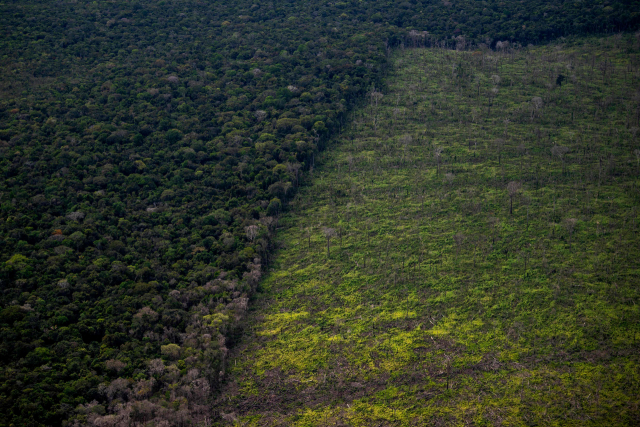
x=466, y=254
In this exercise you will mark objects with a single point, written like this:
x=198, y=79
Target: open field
x=466, y=253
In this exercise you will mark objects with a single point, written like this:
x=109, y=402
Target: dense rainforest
x=148, y=150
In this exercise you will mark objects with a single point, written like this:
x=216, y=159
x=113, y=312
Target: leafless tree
x=375, y=99
x=537, y=103
x=119, y=386
x=328, y=234
x=448, y=360
x=146, y=314
x=498, y=143
x=492, y=94
x=448, y=177
x=437, y=153
x=309, y=229
x=570, y=225
x=493, y=223
x=294, y=169
x=396, y=113
x=251, y=232
x=637, y=153
x=350, y=162
x=115, y=365
x=269, y=222
x=506, y=124
x=458, y=238
x=156, y=366
x=75, y=216
x=405, y=140
x=231, y=417
x=522, y=150
x=559, y=151
x=260, y=115
x=513, y=188
x=502, y=45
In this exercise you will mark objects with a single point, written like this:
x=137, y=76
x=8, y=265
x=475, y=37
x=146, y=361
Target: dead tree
x=375, y=99
x=492, y=94
x=458, y=238
x=251, y=232
x=328, y=234
x=513, y=188
x=448, y=178
x=536, y=103
x=559, y=151
x=570, y=225
x=499, y=145
x=437, y=153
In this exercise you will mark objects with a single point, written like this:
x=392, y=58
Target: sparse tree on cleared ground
x=458, y=238
x=492, y=94
x=513, y=187
x=537, y=103
x=559, y=151
x=570, y=225
x=437, y=153
x=328, y=234
x=375, y=99
x=449, y=178
x=499, y=145
x=493, y=223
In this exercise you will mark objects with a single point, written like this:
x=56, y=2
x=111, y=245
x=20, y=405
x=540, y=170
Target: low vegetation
x=466, y=254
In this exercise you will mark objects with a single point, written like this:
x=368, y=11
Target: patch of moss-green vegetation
x=467, y=253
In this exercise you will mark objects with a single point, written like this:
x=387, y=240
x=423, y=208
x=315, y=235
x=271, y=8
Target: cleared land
x=467, y=253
